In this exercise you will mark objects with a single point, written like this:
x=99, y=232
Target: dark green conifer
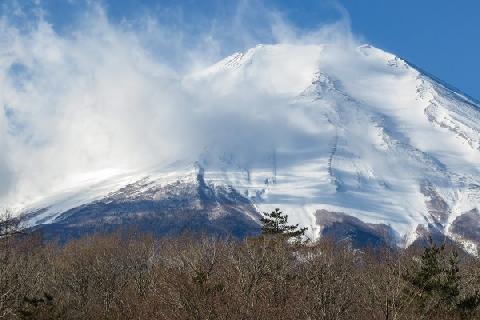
x=276, y=223
x=436, y=282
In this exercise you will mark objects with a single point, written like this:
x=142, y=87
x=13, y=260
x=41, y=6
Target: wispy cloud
x=103, y=94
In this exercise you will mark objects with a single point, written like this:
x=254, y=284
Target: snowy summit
x=324, y=132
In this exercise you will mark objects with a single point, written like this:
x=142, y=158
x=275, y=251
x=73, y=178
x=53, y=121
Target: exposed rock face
x=467, y=226
x=182, y=206
x=437, y=207
x=342, y=227
x=430, y=232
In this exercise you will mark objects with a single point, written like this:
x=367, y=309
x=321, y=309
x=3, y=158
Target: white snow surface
x=373, y=130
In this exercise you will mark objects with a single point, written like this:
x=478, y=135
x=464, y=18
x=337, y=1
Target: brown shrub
x=131, y=277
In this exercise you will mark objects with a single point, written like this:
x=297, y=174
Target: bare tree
x=10, y=225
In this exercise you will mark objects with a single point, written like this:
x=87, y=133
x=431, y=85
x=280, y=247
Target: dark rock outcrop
x=182, y=206
x=339, y=226
x=467, y=226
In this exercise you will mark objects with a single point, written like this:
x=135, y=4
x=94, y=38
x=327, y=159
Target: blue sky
x=440, y=36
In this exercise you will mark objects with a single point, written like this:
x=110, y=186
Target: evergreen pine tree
x=437, y=284
x=276, y=223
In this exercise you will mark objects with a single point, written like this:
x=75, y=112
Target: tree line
x=129, y=275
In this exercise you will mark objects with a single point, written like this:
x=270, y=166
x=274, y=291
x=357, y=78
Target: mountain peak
x=351, y=130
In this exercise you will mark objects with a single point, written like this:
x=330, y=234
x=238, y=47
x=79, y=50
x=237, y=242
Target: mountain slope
x=355, y=131
x=188, y=204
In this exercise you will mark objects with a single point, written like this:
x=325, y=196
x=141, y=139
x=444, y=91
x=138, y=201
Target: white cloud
x=107, y=95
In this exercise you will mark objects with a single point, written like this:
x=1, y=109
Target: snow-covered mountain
x=370, y=137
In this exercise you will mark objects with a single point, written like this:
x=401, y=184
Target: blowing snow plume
x=112, y=97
